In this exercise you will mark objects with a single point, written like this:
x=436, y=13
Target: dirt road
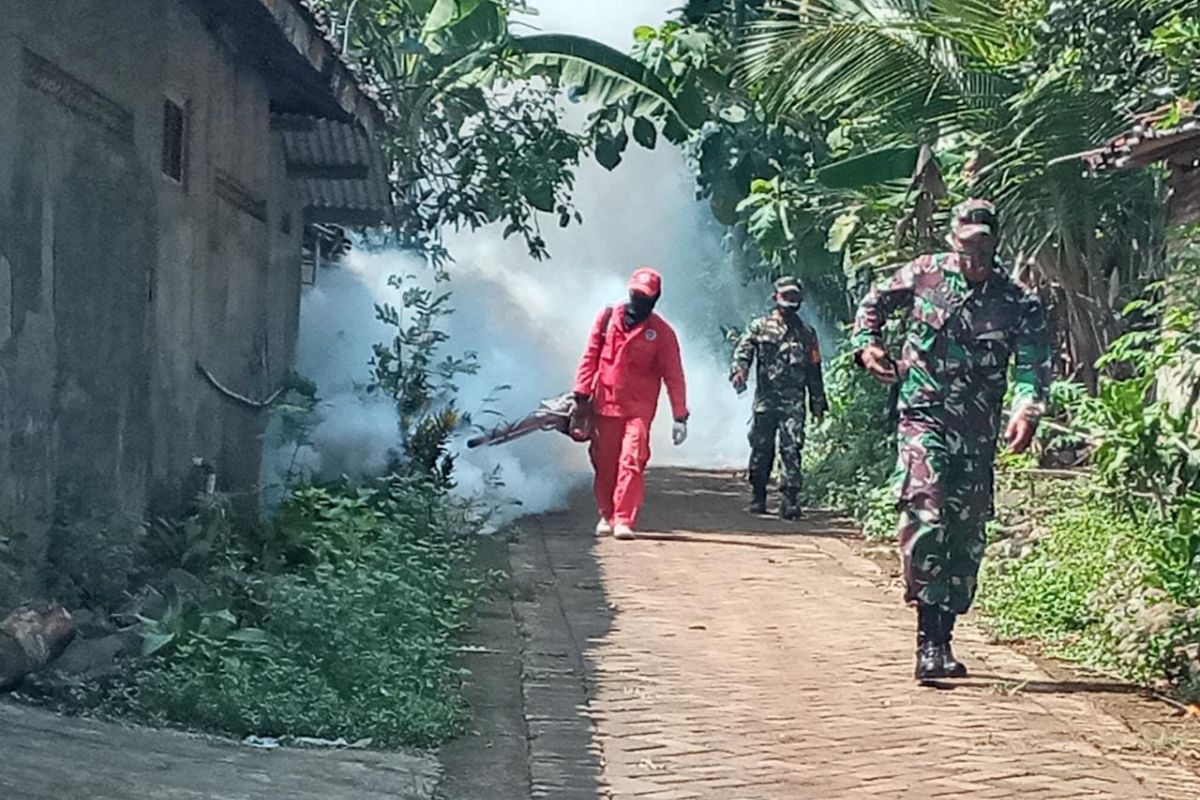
x=729, y=658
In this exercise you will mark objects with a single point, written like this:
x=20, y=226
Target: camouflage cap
x=974, y=218
x=787, y=283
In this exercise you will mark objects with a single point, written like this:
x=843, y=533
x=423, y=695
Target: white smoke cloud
x=536, y=316
x=528, y=321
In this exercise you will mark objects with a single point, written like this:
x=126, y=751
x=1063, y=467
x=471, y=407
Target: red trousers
x=620, y=450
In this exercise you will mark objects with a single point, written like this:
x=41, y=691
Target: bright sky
x=610, y=21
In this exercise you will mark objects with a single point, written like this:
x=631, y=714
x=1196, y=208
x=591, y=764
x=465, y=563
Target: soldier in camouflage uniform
x=789, y=374
x=964, y=321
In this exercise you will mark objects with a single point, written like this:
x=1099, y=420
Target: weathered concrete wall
x=114, y=279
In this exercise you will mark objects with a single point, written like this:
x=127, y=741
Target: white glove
x=679, y=433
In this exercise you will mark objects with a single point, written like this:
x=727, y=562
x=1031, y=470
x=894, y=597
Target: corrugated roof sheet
x=324, y=143
x=1145, y=143
x=314, y=146
x=327, y=199
x=319, y=22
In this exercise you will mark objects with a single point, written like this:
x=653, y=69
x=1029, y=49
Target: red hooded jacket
x=624, y=370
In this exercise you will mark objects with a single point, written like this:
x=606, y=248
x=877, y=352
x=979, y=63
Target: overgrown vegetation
x=475, y=135
x=1114, y=577
x=334, y=618
x=338, y=619
x=851, y=457
x=839, y=132
x=1096, y=584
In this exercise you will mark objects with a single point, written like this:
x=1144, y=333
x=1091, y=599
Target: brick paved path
x=725, y=659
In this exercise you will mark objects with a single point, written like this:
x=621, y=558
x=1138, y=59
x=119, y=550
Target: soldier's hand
x=739, y=381
x=1020, y=433
x=876, y=361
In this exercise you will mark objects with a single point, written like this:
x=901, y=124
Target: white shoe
x=622, y=531
x=603, y=527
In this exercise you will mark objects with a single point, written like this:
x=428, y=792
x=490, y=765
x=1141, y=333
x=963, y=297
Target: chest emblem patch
x=651, y=335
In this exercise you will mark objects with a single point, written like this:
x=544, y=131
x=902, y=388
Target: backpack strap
x=608, y=315
x=605, y=322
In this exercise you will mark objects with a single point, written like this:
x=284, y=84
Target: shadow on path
x=531, y=734
x=1052, y=687
x=663, y=669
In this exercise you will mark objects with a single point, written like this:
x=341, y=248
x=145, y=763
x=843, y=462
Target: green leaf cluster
x=338, y=619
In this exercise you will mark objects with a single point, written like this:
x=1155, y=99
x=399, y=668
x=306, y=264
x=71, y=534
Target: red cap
x=646, y=281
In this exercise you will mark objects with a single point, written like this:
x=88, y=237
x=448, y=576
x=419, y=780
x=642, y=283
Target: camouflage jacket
x=959, y=340
x=788, y=364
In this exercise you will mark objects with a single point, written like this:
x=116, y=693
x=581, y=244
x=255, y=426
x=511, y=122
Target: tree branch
x=1087, y=438
x=257, y=405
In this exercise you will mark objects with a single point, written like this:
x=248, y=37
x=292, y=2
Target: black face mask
x=638, y=309
x=788, y=308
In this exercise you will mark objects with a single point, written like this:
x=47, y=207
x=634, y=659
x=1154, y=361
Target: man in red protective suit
x=630, y=354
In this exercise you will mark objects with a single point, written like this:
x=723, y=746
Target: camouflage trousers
x=788, y=427
x=943, y=485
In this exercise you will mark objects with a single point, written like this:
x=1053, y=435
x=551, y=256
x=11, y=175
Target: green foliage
x=1145, y=416
x=474, y=133
x=412, y=373
x=605, y=76
x=1177, y=41
x=338, y=620
x=335, y=619
x=468, y=144
x=851, y=457
x=878, y=166
x=756, y=172
x=1094, y=588
x=1048, y=594
x=1115, y=579
x=294, y=417
x=92, y=558
x=1003, y=96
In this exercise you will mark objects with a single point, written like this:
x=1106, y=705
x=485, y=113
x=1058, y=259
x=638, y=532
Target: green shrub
x=853, y=454
x=337, y=621
x=1097, y=587
x=1048, y=594
x=336, y=618
x=92, y=558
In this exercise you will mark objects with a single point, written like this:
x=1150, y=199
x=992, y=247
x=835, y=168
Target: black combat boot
x=758, y=501
x=950, y=665
x=929, y=649
x=789, y=506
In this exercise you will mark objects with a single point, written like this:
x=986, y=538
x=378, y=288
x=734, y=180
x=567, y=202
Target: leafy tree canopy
x=475, y=134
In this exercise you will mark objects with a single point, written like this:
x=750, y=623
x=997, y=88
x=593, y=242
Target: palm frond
x=1042, y=202
x=972, y=22
x=844, y=70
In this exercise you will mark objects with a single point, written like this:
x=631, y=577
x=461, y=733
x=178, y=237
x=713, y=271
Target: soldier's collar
x=995, y=276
